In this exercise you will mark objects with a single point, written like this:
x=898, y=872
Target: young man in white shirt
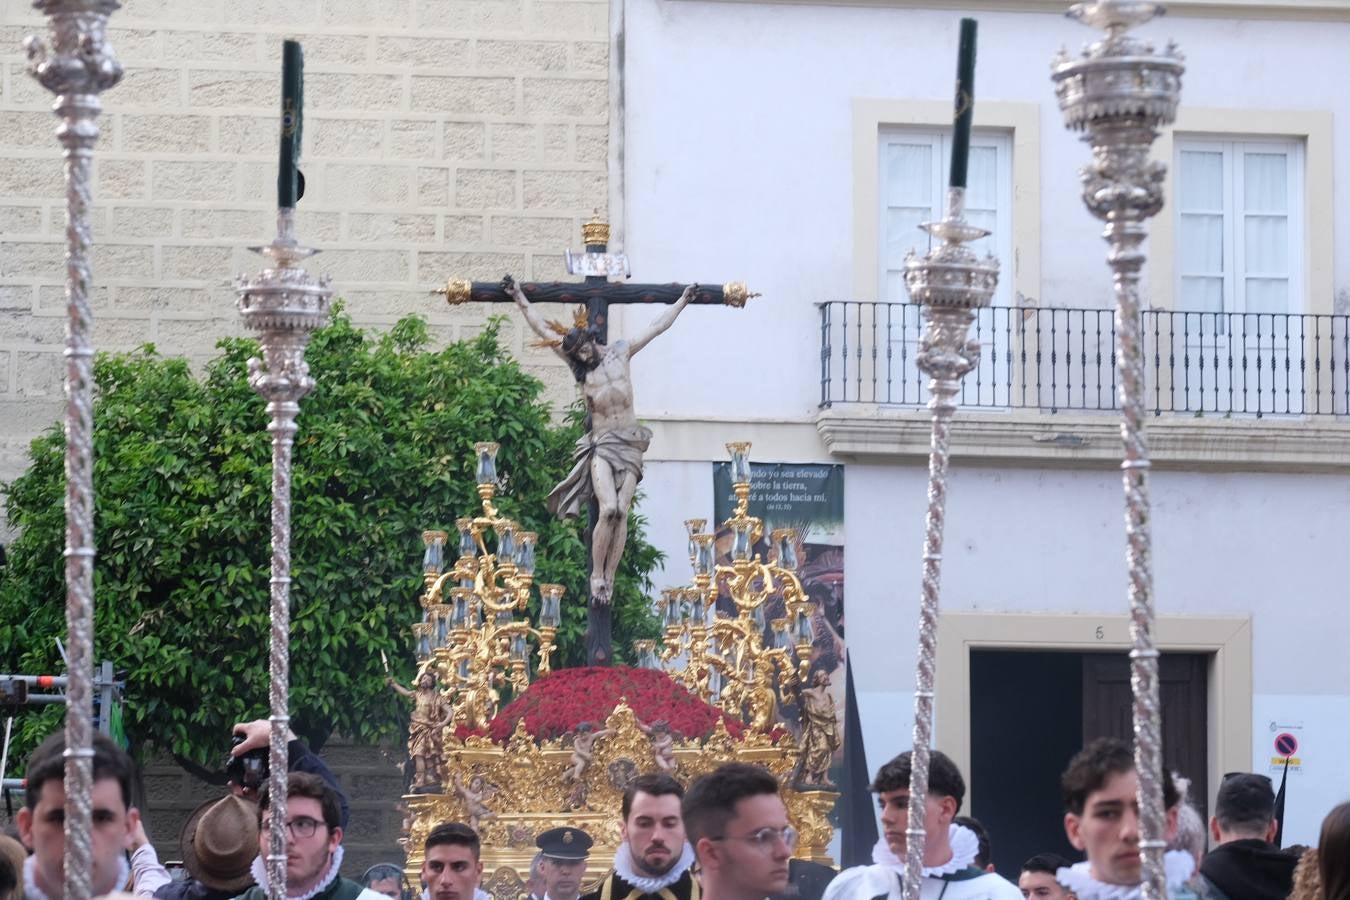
x=1102, y=819
x=949, y=852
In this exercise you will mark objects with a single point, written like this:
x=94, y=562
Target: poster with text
x=809, y=498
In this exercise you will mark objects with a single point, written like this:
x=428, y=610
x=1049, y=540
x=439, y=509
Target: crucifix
x=607, y=463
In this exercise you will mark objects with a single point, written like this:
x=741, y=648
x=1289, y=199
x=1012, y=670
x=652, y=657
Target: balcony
x=1224, y=388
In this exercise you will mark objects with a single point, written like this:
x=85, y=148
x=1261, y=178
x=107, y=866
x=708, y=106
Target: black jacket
x=299, y=758
x=1248, y=870
x=192, y=890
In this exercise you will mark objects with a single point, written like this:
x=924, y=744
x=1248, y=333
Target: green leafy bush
x=183, y=496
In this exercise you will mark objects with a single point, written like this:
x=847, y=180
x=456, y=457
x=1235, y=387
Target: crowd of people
x=727, y=837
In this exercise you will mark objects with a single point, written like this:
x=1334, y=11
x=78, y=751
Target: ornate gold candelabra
x=725, y=660
x=511, y=788
x=471, y=638
x=1119, y=93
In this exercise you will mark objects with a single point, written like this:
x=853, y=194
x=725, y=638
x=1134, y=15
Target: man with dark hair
x=313, y=843
x=256, y=735
x=984, y=855
x=384, y=878
x=1244, y=864
x=1038, y=882
x=739, y=828
x=451, y=867
x=42, y=819
x=949, y=850
x=1101, y=819
x=654, y=858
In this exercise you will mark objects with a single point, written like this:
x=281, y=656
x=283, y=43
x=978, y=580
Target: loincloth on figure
x=621, y=448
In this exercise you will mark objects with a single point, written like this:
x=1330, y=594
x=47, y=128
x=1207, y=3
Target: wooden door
x=1183, y=689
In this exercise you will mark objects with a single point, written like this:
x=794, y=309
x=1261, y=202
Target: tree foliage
x=182, y=481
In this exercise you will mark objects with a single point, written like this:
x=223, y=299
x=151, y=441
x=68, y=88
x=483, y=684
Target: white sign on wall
x=1313, y=733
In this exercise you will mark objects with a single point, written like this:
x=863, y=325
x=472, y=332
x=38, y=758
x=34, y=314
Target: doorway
x=1031, y=711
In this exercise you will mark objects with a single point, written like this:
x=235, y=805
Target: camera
x=248, y=771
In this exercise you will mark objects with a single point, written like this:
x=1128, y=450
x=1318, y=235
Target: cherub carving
x=475, y=797
x=663, y=745
x=583, y=749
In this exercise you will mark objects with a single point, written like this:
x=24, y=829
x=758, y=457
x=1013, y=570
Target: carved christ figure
x=608, y=458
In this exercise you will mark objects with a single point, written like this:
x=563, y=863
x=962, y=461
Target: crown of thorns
x=580, y=319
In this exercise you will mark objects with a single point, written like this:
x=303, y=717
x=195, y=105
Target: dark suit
x=806, y=880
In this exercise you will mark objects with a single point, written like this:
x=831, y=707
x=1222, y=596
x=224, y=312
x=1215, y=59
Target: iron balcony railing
x=1056, y=359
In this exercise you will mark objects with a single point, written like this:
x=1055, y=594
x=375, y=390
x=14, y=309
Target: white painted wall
x=739, y=151
x=739, y=165
x=1262, y=545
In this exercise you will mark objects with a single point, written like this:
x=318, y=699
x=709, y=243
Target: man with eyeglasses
x=1244, y=863
x=949, y=849
x=739, y=828
x=313, y=844
x=654, y=860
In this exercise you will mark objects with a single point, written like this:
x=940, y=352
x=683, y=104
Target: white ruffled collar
x=30, y=885
x=259, y=870
x=1178, y=867
x=623, y=867
x=965, y=847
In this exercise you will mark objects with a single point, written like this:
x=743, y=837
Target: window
x=1239, y=226
x=913, y=182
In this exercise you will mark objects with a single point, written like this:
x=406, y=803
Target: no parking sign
x=1286, y=746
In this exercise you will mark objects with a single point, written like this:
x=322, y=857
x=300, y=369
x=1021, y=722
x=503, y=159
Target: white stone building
x=796, y=145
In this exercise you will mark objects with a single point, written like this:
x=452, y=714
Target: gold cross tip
x=736, y=293
x=456, y=291
x=596, y=231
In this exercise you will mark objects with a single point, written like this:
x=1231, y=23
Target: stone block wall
x=442, y=138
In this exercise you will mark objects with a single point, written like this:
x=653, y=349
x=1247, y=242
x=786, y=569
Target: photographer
x=247, y=769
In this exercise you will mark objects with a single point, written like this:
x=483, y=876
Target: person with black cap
x=1244, y=864
x=218, y=843
x=564, y=851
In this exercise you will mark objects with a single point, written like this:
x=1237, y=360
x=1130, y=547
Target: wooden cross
x=597, y=292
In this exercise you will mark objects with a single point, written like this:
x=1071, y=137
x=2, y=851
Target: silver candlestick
x=952, y=284
x=77, y=66
x=283, y=304
x=1120, y=92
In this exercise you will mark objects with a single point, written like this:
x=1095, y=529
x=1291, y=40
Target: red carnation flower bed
x=558, y=702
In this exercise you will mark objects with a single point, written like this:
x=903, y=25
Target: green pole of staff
x=965, y=104
x=290, y=183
